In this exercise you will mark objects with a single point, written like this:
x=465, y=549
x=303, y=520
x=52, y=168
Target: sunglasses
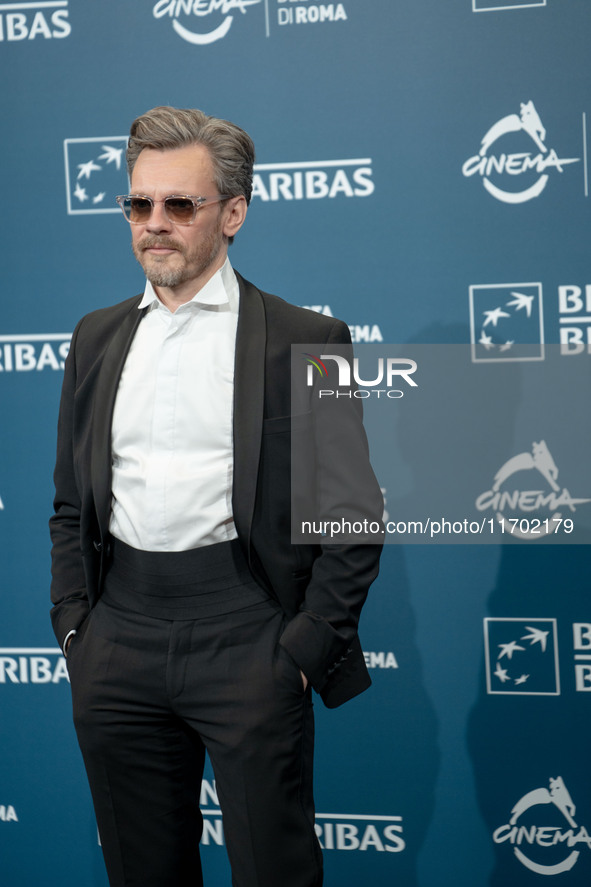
x=179, y=208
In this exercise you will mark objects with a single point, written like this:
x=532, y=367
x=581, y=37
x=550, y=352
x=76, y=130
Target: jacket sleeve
x=322, y=636
x=68, y=588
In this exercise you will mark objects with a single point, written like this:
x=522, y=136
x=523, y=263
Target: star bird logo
x=521, y=656
x=506, y=322
x=95, y=174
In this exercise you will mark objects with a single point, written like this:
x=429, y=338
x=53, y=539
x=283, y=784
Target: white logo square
x=506, y=322
x=521, y=657
x=96, y=173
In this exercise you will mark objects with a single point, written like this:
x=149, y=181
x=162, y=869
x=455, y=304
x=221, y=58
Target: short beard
x=170, y=277
x=164, y=277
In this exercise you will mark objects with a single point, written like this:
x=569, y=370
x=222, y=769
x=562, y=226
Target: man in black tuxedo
x=189, y=620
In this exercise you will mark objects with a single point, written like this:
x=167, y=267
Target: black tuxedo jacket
x=321, y=588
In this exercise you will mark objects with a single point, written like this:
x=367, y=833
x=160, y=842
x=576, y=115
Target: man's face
x=181, y=257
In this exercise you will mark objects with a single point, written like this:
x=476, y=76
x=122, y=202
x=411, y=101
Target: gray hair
x=231, y=149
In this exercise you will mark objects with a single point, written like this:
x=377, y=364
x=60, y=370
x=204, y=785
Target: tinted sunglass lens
x=138, y=209
x=180, y=209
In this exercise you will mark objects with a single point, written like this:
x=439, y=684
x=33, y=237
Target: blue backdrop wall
x=419, y=164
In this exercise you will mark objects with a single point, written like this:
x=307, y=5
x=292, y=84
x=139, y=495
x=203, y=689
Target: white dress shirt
x=172, y=424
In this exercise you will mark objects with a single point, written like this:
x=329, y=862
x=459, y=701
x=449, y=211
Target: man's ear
x=234, y=215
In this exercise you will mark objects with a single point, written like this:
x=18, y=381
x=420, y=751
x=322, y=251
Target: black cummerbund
x=179, y=585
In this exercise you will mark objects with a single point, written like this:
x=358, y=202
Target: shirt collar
x=221, y=289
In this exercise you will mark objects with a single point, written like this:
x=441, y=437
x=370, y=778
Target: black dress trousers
x=159, y=675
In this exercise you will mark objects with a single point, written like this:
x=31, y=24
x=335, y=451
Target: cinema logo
x=551, y=848
x=201, y=22
x=32, y=665
x=47, y=19
x=313, y=180
x=525, y=512
x=335, y=831
x=305, y=13
x=34, y=352
x=389, y=370
x=500, y=168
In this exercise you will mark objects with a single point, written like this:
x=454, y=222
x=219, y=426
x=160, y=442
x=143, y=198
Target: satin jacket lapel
x=104, y=402
x=249, y=403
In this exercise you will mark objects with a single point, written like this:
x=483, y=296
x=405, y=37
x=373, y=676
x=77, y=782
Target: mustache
x=153, y=240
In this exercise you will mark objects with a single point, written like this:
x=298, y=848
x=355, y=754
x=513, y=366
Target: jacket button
x=98, y=546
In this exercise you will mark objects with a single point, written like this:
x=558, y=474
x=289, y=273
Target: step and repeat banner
x=422, y=172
